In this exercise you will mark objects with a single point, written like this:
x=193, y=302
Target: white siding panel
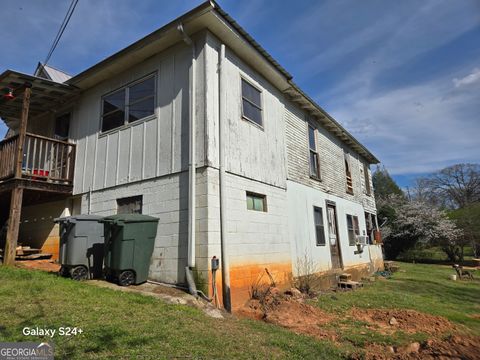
x=136, y=153
x=166, y=115
x=101, y=167
x=150, y=149
x=112, y=151
x=123, y=156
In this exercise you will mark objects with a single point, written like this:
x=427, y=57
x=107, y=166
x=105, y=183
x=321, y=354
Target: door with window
x=333, y=237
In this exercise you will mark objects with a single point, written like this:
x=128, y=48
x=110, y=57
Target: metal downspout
x=223, y=229
x=191, y=168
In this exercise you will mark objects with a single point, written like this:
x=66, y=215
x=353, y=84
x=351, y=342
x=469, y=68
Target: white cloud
x=417, y=129
x=469, y=79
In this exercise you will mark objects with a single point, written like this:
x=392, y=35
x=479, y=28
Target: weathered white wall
x=147, y=148
x=301, y=228
x=251, y=151
x=332, y=164
x=166, y=198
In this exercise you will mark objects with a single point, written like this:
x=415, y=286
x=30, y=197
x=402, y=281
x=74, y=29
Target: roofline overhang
x=279, y=76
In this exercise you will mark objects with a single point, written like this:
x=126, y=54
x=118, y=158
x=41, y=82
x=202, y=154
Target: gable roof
x=50, y=73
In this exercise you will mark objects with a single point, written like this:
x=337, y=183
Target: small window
x=314, y=159
x=62, y=126
x=128, y=104
x=319, y=227
x=130, y=205
x=256, y=202
x=368, y=189
x=353, y=229
x=251, y=103
x=348, y=175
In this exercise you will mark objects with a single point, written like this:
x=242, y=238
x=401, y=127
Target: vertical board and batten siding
x=332, y=164
x=146, y=149
x=252, y=152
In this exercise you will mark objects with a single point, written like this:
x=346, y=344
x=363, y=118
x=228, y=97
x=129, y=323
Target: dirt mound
x=410, y=321
x=289, y=311
x=454, y=347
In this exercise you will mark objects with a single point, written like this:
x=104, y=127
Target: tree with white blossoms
x=415, y=222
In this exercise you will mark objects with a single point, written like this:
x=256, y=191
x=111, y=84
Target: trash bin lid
x=130, y=218
x=81, y=217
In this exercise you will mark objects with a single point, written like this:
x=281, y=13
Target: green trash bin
x=129, y=242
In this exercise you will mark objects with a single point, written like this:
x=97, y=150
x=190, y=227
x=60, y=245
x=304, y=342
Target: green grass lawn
x=125, y=325
x=121, y=325
x=421, y=287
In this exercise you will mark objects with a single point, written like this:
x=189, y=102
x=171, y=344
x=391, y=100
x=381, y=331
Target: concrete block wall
x=332, y=164
x=166, y=198
x=256, y=240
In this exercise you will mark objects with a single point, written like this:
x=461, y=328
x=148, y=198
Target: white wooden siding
x=149, y=148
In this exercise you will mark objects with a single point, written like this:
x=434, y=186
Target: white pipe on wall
x=223, y=204
x=192, y=176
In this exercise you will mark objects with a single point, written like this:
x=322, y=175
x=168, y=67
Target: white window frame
x=261, y=108
x=126, y=87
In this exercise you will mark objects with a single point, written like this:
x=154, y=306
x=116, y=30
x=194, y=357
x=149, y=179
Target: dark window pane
x=320, y=233
x=311, y=138
x=251, y=93
x=115, y=101
x=141, y=90
x=141, y=109
x=113, y=120
x=252, y=113
x=349, y=222
x=318, y=216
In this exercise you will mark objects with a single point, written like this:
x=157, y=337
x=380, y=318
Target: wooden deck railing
x=44, y=159
x=8, y=147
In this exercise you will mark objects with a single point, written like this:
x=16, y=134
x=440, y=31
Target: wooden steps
x=28, y=253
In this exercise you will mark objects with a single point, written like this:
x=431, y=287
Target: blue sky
x=402, y=76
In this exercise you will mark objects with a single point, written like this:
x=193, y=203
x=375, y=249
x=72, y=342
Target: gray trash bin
x=81, y=246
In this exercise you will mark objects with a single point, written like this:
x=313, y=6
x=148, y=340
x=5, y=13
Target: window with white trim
x=251, y=103
x=319, y=226
x=129, y=104
x=353, y=229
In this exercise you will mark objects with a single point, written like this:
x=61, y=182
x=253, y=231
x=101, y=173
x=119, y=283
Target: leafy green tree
x=384, y=185
x=468, y=219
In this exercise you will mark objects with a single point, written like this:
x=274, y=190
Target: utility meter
x=215, y=263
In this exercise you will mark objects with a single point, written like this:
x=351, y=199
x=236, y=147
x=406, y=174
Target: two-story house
x=197, y=125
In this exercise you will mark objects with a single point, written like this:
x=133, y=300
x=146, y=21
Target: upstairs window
x=257, y=202
x=319, y=227
x=348, y=175
x=129, y=104
x=353, y=229
x=368, y=188
x=314, y=159
x=251, y=103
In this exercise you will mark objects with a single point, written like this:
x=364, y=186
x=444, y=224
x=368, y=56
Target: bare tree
x=456, y=186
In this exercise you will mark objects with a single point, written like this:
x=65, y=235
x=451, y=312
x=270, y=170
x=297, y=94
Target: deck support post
x=13, y=226
x=10, y=250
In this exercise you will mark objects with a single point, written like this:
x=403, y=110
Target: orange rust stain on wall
x=244, y=277
x=51, y=246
